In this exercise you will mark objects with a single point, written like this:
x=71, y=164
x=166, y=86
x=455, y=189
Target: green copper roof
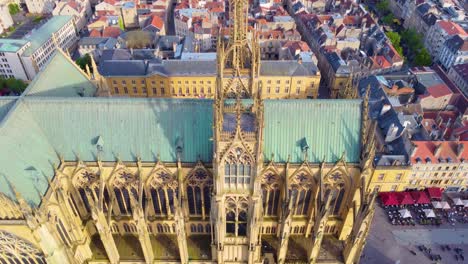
x=6, y=102
x=39, y=36
x=326, y=127
x=11, y=45
x=61, y=78
x=39, y=128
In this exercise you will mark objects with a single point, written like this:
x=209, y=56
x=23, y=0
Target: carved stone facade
x=241, y=207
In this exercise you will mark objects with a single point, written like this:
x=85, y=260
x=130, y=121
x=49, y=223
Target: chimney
x=174, y=46
x=437, y=150
x=460, y=150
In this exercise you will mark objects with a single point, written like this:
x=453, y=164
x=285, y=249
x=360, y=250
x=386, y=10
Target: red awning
x=388, y=199
x=420, y=197
x=405, y=198
x=434, y=192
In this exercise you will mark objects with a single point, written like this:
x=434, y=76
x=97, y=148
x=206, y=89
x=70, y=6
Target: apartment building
x=24, y=58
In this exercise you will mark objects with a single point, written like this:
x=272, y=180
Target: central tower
x=238, y=117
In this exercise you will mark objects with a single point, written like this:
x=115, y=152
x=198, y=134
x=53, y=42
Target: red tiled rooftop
x=425, y=151
x=112, y=32
x=157, y=22
x=451, y=28
x=95, y=33
x=438, y=90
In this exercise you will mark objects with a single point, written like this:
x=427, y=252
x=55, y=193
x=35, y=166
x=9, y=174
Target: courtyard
x=389, y=243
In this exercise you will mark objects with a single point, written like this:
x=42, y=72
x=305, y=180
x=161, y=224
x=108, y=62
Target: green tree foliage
x=83, y=61
x=13, y=9
x=13, y=85
x=395, y=39
x=388, y=19
x=423, y=58
x=383, y=6
x=412, y=39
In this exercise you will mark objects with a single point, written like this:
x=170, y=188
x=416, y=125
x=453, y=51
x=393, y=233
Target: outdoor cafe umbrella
x=405, y=198
x=405, y=213
x=437, y=205
x=458, y=201
x=389, y=199
x=445, y=205
x=465, y=202
x=420, y=197
x=429, y=213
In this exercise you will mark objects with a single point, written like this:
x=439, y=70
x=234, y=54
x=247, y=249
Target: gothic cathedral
x=237, y=179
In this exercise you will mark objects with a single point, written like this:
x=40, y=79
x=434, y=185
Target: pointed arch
x=238, y=166
x=87, y=183
x=18, y=250
x=199, y=185
x=270, y=184
x=236, y=215
x=337, y=179
x=163, y=188
x=124, y=183
x=301, y=187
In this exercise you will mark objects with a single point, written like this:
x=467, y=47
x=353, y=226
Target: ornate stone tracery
x=237, y=167
x=300, y=191
x=199, y=186
x=236, y=215
x=16, y=250
x=163, y=188
x=270, y=183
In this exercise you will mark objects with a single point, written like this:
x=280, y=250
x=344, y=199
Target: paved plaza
x=393, y=244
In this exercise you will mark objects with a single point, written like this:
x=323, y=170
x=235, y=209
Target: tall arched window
x=164, y=190
x=125, y=184
x=300, y=193
x=270, y=193
x=199, y=185
x=335, y=182
x=87, y=184
x=62, y=231
x=14, y=250
x=236, y=215
x=237, y=169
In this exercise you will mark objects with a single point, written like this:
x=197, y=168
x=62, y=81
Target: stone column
x=255, y=224
x=319, y=227
x=105, y=233
x=143, y=234
x=180, y=232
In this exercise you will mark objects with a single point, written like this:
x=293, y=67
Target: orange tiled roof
x=439, y=151
x=111, y=32
x=451, y=28
x=95, y=33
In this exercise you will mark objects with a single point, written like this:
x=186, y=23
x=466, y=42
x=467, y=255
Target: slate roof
x=287, y=68
x=199, y=68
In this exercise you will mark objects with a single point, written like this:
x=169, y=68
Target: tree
x=412, y=39
x=383, y=6
x=388, y=19
x=138, y=39
x=423, y=58
x=83, y=61
x=13, y=85
x=395, y=39
x=13, y=9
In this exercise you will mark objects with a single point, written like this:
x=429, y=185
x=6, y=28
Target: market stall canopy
x=388, y=199
x=445, y=205
x=429, y=213
x=404, y=198
x=420, y=197
x=465, y=202
x=437, y=205
x=458, y=201
x=405, y=213
x=434, y=193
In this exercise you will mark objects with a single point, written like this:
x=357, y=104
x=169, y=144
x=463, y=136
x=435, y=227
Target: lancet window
x=164, y=190
x=236, y=215
x=270, y=193
x=237, y=168
x=335, y=183
x=199, y=185
x=125, y=184
x=87, y=184
x=300, y=193
x=14, y=250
